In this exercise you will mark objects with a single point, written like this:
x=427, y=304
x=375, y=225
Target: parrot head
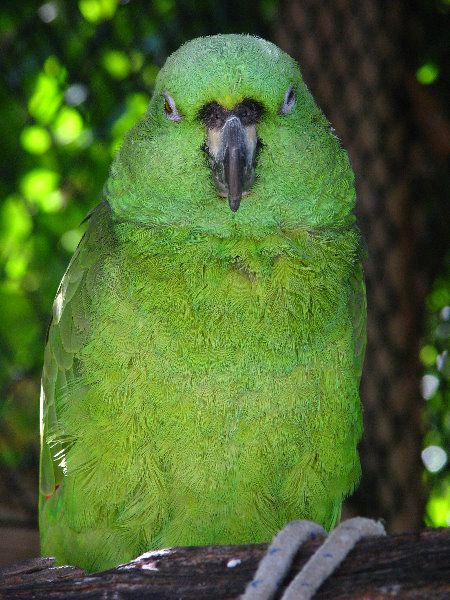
x=232, y=138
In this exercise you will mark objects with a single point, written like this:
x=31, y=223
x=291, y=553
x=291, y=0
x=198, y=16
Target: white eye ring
x=170, y=108
x=289, y=101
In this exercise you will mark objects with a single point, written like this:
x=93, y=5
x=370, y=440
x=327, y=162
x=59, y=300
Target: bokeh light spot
x=438, y=508
x=428, y=386
x=52, y=67
x=46, y=99
x=76, y=94
x=53, y=202
x=35, y=139
x=17, y=264
x=39, y=186
x=117, y=64
x=428, y=355
x=48, y=12
x=15, y=224
x=95, y=11
x=70, y=239
x=68, y=125
x=427, y=73
x=434, y=458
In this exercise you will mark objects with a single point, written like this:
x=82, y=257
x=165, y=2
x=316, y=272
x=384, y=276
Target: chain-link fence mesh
x=357, y=58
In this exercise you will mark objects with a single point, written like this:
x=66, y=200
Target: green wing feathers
x=67, y=333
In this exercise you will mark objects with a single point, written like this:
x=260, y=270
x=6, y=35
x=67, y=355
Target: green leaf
x=68, y=125
x=117, y=64
x=46, y=98
x=35, y=139
x=95, y=11
x=427, y=73
x=40, y=186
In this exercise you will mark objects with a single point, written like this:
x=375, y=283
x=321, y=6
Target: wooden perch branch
x=407, y=566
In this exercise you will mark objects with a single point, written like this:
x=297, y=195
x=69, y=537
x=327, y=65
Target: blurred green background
x=75, y=76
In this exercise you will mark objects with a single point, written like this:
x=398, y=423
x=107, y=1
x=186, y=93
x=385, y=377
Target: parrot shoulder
x=67, y=333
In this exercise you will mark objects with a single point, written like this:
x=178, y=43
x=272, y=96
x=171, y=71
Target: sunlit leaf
x=70, y=239
x=440, y=296
x=136, y=105
x=428, y=355
x=46, y=98
x=35, y=139
x=15, y=224
x=427, y=73
x=117, y=64
x=438, y=507
x=17, y=262
x=97, y=10
x=54, y=68
x=40, y=187
x=68, y=125
x=53, y=202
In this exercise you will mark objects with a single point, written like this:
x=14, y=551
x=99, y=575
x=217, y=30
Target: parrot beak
x=232, y=152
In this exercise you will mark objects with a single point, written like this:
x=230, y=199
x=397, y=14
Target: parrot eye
x=289, y=101
x=170, y=108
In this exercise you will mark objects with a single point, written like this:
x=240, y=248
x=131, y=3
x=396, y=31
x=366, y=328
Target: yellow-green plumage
x=201, y=374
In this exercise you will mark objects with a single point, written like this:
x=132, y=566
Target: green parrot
x=202, y=366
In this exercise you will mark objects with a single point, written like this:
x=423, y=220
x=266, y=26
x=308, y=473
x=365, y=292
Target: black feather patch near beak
x=231, y=145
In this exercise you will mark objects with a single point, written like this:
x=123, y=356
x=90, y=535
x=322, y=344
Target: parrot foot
x=279, y=556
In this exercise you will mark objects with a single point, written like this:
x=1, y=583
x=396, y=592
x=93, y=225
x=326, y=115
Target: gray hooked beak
x=232, y=152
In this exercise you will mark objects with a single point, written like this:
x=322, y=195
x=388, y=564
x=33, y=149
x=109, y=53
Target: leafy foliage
x=434, y=355
x=75, y=77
